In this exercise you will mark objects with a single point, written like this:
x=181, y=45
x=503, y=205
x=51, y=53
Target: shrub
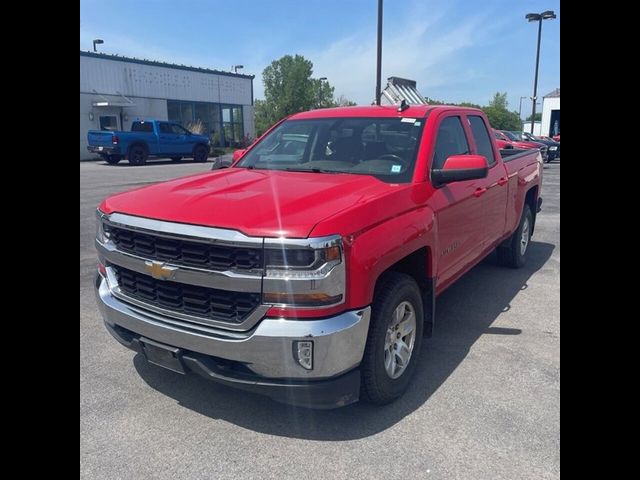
x=197, y=127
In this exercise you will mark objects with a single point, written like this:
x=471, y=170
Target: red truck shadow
x=463, y=313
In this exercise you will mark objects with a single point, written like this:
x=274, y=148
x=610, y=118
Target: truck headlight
x=101, y=235
x=304, y=273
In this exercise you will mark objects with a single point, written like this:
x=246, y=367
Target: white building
x=551, y=113
x=115, y=91
x=526, y=127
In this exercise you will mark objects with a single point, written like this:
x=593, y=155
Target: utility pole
x=379, y=65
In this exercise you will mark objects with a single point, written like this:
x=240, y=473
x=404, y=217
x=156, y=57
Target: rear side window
x=451, y=140
x=481, y=137
x=142, y=127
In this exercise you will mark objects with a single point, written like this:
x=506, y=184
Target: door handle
x=503, y=181
x=479, y=191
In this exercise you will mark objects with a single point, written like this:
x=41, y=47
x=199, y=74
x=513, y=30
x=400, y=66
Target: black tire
x=200, y=153
x=113, y=159
x=138, y=155
x=391, y=291
x=176, y=159
x=511, y=254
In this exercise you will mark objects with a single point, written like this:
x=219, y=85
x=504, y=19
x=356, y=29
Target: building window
x=222, y=123
x=232, y=123
x=108, y=122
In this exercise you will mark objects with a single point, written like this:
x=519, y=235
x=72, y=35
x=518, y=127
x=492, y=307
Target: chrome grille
x=210, y=303
x=185, y=252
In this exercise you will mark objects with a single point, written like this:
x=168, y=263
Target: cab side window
x=481, y=137
x=165, y=128
x=451, y=140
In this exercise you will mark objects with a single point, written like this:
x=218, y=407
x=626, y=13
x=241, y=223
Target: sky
x=456, y=50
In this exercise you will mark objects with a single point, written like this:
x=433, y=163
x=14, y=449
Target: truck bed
x=523, y=168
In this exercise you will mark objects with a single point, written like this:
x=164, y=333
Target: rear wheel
x=394, y=340
x=200, y=153
x=138, y=155
x=112, y=159
x=514, y=254
x=176, y=159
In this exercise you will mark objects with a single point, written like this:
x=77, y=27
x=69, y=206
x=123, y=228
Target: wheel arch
x=531, y=199
x=418, y=265
x=138, y=143
x=199, y=144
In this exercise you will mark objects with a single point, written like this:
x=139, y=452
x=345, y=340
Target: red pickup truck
x=308, y=271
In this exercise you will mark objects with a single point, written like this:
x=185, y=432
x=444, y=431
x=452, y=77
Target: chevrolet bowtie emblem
x=159, y=270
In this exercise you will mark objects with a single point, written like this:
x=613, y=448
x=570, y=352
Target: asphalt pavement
x=484, y=403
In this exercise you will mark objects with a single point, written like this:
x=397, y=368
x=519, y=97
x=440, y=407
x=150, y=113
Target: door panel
x=459, y=213
x=168, y=141
x=494, y=208
x=184, y=141
x=495, y=204
x=457, y=207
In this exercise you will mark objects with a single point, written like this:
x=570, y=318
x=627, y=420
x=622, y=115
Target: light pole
x=236, y=67
x=537, y=17
x=97, y=41
x=379, y=56
x=320, y=93
x=520, y=108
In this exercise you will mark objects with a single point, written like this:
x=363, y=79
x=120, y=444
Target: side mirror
x=238, y=154
x=458, y=168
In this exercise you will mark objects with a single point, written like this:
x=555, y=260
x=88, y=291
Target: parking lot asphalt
x=484, y=403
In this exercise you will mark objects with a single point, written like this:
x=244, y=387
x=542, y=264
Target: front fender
x=373, y=251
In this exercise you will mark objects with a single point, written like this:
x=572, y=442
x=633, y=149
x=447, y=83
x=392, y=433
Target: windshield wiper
x=313, y=170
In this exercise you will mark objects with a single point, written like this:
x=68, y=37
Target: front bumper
x=553, y=154
x=259, y=360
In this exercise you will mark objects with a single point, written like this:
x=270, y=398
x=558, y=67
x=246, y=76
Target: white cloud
x=425, y=42
x=419, y=47
x=128, y=46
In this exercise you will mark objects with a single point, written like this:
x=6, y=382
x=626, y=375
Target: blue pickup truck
x=148, y=138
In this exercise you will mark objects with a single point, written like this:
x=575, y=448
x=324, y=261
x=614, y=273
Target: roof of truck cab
x=414, y=111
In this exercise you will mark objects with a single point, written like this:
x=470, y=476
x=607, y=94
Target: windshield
x=385, y=148
x=511, y=136
x=528, y=136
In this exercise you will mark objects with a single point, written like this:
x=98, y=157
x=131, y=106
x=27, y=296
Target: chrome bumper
x=267, y=349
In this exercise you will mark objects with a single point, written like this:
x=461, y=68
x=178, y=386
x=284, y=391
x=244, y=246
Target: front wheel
x=394, y=340
x=514, y=253
x=200, y=153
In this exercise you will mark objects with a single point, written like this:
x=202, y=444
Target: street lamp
x=236, y=67
x=537, y=17
x=97, y=41
x=520, y=108
x=320, y=95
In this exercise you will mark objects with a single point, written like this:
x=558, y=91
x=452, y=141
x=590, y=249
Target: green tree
x=503, y=119
x=342, y=101
x=289, y=88
x=497, y=112
x=499, y=101
x=538, y=117
x=468, y=104
x=323, y=93
x=499, y=116
x=432, y=101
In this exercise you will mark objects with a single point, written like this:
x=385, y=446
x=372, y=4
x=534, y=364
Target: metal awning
x=111, y=102
x=399, y=89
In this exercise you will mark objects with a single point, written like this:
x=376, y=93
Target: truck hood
x=256, y=202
